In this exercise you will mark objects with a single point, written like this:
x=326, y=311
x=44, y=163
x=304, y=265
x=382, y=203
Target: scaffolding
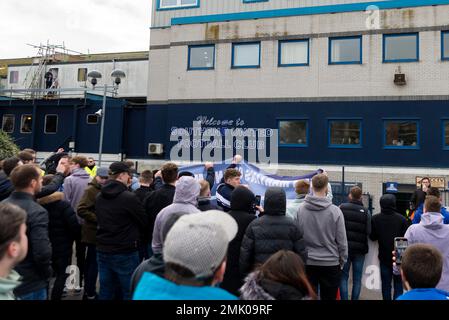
x=34, y=79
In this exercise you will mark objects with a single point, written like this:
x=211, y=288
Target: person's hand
x=63, y=167
x=60, y=150
x=260, y=209
x=396, y=270
x=158, y=174
x=237, y=159
x=208, y=165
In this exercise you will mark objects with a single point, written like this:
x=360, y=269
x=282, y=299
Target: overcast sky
x=83, y=25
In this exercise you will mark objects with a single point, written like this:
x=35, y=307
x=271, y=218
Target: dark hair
x=356, y=193
x=80, y=160
x=186, y=174
x=25, y=156
x=432, y=204
x=231, y=173
x=169, y=172
x=146, y=176
x=422, y=265
x=184, y=276
x=425, y=178
x=288, y=268
x=11, y=218
x=432, y=191
x=22, y=176
x=9, y=164
x=320, y=181
x=47, y=179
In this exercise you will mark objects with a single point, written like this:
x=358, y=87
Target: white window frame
x=178, y=5
x=22, y=122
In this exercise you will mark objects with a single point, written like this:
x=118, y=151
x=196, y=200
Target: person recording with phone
x=432, y=230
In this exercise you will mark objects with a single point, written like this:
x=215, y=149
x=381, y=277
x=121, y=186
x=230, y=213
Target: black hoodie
x=387, y=225
x=6, y=187
x=270, y=233
x=242, y=210
x=121, y=219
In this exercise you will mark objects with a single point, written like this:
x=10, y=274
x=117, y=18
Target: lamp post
x=116, y=75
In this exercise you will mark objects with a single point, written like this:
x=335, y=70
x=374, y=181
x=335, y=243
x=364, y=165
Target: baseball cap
x=102, y=172
x=199, y=241
x=119, y=167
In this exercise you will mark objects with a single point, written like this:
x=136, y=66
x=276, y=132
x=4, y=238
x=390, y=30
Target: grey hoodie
x=431, y=230
x=185, y=201
x=323, y=227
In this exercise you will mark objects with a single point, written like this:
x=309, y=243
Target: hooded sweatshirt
x=323, y=226
x=121, y=219
x=7, y=285
x=431, y=230
x=387, y=225
x=293, y=207
x=75, y=185
x=185, y=201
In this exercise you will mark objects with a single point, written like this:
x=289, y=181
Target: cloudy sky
x=93, y=26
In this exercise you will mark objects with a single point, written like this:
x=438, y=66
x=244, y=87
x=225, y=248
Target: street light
x=116, y=75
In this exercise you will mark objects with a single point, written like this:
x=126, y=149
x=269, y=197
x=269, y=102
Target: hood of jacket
x=275, y=202
x=7, y=285
x=112, y=189
x=80, y=173
x=55, y=196
x=187, y=191
x=252, y=290
x=432, y=220
x=315, y=203
x=388, y=203
x=242, y=199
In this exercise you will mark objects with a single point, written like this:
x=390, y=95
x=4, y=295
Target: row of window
x=26, y=123
x=402, y=47
x=398, y=134
x=183, y=4
x=82, y=75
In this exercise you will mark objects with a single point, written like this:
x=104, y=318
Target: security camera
x=99, y=113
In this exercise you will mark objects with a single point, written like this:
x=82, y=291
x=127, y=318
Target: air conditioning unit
x=155, y=148
x=399, y=79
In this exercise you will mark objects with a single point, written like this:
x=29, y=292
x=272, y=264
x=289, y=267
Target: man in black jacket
x=272, y=232
x=121, y=223
x=36, y=268
x=387, y=225
x=358, y=228
x=243, y=210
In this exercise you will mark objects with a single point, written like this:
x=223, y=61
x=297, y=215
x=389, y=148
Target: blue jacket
x=152, y=287
x=425, y=294
x=420, y=211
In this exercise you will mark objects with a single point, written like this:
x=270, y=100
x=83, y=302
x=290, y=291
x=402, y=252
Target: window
x=8, y=123
x=345, y=133
x=401, y=134
x=201, y=57
x=14, y=77
x=445, y=45
x=51, y=123
x=293, y=53
x=26, y=123
x=82, y=74
x=92, y=119
x=401, y=47
x=446, y=134
x=345, y=50
x=177, y=4
x=246, y=55
x=293, y=133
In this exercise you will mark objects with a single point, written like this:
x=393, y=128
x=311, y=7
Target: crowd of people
x=160, y=235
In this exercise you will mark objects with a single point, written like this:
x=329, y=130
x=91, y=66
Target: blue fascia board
x=288, y=12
